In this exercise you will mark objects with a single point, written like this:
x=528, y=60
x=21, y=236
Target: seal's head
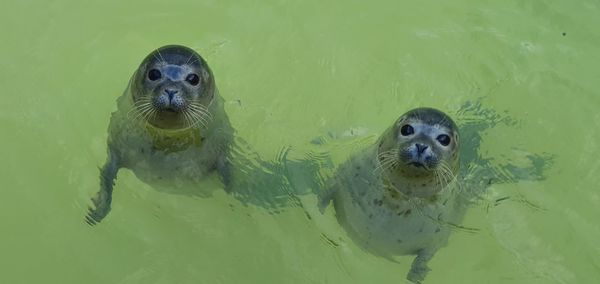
x=173, y=88
x=421, y=149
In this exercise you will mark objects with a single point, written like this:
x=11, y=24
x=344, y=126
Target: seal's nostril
x=171, y=93
x=421, y=148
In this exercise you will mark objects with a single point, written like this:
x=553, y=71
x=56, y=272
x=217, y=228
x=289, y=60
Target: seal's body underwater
x=170, y=125
x=398, y=196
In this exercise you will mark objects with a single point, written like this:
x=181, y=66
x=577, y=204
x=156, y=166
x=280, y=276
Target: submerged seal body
x=170, y=125
x=398, y=197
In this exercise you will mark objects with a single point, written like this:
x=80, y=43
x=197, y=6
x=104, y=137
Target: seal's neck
x=404, y=183
x=173, y=140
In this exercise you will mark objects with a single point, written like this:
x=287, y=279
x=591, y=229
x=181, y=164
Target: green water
x=291, y=71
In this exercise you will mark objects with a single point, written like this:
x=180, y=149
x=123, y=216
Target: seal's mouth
x=168, y=118
x=421, y=166
x=170, y=110
x=418, y=165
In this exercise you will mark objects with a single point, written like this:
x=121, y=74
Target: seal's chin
x=168, y=119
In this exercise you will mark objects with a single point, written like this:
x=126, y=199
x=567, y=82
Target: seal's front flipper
x=103, y=197
x=324, y=199
x=419, y=269
x=224, y=171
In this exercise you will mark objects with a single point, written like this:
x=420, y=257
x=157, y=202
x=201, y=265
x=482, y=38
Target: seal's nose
x=421, y=148
x=170, y=93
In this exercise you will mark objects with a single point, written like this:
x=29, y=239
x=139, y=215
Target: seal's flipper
x=224, y=171
x=419, y=269
x=324, y=199
x=103, y=197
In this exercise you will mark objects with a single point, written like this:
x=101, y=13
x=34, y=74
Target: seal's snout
x=171, y=93
x=419, y=155
x=421, y=148
x=170, y=100
x=420, y=151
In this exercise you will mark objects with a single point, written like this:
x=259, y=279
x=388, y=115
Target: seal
x=170, y=125
x=399, y=196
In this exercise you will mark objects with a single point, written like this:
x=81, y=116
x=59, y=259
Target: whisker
x=201, y=113
x=201, y=109
x=188, y=60
x=443, y=180
x=141, y=111
x=186, y=118
x=161, y=57
x=437, y=177
x=195, y=117
x=145, y=114
x=385, y=164
x=132, y=110
x=443, y=175
x=392, y=165
x=137, y=114
x=195, y=60
x=138, y=106
x=447, y=173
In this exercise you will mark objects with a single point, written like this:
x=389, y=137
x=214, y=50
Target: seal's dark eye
x=443, y=139
x=154, y=75
x=407, y=130
x=193, y=79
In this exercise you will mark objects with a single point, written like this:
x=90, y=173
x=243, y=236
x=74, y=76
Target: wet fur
x=170, y=157
x=380, y=214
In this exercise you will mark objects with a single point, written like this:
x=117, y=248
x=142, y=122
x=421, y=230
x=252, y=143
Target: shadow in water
x=276, y=185
x=479, y=171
